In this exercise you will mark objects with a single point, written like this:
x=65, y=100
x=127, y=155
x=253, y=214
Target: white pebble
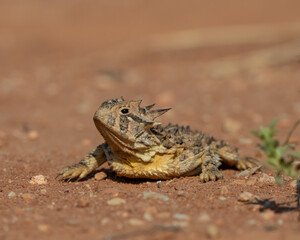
x=11, y=195
x=245, y=197
x=116, y=201
x=39, y=180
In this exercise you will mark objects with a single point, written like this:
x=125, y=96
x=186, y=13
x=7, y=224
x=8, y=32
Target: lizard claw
x=75, y=171
x=210, y=176
x=245, y=163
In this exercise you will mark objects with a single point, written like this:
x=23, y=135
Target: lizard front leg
x=88, y=164
x=210, y=164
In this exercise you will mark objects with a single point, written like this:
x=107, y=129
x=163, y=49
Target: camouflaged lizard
x=136, y=146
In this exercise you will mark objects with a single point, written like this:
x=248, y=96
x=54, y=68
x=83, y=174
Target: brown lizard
x=136, y=146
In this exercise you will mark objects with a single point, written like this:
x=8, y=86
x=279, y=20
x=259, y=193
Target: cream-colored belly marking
x=161, y=166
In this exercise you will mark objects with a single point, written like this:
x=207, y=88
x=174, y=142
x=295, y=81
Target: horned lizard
x=137, y=146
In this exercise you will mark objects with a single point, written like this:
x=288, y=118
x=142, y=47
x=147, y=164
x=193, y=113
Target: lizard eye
x=125, y=111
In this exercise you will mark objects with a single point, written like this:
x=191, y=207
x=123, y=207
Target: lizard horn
x=156, y=113
x=136, y=102
x=147, y=108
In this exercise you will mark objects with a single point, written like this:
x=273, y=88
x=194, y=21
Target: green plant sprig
x=279, y=157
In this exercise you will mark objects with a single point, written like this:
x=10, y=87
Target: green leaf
x=279, y=179
x=273, y=123
x=255, y=133
x=283, y=148
x=276, y=154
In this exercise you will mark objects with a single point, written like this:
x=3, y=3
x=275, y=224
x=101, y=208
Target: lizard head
x=126, y=126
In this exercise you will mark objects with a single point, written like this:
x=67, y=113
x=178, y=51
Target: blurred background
x=224, y=67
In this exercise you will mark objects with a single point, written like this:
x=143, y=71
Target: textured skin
x=136, y=146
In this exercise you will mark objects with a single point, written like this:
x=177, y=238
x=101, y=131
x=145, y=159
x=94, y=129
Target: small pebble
x=38, y=179
x=164, y=215
x=11, y=195
x=180, y=193
x=116, y=201
x=43, y=191
x=224, y=190
x=158, y=184
x=212, y=231
x=136, y=222
x=154, y=195
x=245, y=197
x=264, y=178
x=32, y=135
x=294, y=184
x=204, y=218
x=148, y=217
x=82, y=203
x=280, y=222
x=104, y=220
x=100, y=176
x=251, y=182
x=267, y=215
x=222, y=198
x=28, y=196
x=180, y=216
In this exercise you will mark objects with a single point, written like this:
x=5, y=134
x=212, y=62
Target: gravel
x=245, y=197
x=38, y=180
x=180, y=216
x=116, y=201
x=212, y=231
x=204, y=217
x=154, y=195
x=136, y=222
x=266, y=179
x=11, y=195
x=100, y=176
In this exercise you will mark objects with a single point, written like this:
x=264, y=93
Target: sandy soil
x=225, y=68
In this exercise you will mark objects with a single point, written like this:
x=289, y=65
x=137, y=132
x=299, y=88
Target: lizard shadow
x=111, y=175
x=268, y=204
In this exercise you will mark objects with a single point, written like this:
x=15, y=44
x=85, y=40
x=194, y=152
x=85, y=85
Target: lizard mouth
x=115, y=140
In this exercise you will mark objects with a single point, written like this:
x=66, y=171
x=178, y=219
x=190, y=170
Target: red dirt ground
x=225, y=68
